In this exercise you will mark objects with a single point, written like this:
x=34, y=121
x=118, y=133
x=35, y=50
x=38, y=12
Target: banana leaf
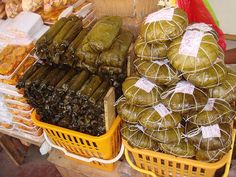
x=159, y=117
x=212, y=156
x=136, y=95
x=157, y=28
x=227, y=90
x=167, y=136
x=159, y=72
x=208, y=78
x=136, y=138
x=184, y=98
x=196, y=137
x=86, y=54
x=182, y=149
x=104, y=33
x=215, y=111
x=150, y=51
x=129, y=113
x=187, y=56
x=116, y=55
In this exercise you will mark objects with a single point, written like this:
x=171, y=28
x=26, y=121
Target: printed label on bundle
x=162, y=110
x=210, y=104
x=163, y=14
x=190, y=43
x=200, y=26
x=161, y=62
x=144, y=84
x=212, y=131
x=184, y=87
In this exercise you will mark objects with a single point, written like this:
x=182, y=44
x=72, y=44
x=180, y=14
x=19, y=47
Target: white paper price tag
x=210, y=104
x=184, y=87
x=211, y=131
x=200, y=26
x=144, y=84
x=190, y=43
x=161, y=62
x=162, y=110
x=163, y=14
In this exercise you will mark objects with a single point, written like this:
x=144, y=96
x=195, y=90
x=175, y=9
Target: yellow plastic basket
x=151, y=163
x=105, y=147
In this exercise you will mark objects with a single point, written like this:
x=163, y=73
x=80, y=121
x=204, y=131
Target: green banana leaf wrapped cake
x=140, y=91
x=150, y=51
x=208, y=78
x=129, y=113
x=182, y=149
x=194, y=51
x=159, y=72
x=116, y=55
x=227, y=90
x=164, y=25
x=184, y=98
x=214, y=155
x=104, y=33
x=158, y=117
x=136, y=138
x=215, y=111
x=166, y=136
x=208, y=138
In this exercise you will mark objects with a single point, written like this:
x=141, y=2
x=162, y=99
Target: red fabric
x=197, y=12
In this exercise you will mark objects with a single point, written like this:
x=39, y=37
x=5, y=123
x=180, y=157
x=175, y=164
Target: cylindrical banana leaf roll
x=90, y=88
x=99, y=92
x=116, y=55
x=49, y=77
x=52, y=32
x=104, y=33
x=110, y=70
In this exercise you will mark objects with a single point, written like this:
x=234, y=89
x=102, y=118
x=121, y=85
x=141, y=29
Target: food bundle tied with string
x=178, y=101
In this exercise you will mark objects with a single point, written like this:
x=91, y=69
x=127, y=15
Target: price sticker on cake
x=190, y=43
x=162, y=110
x=212, y=131
x=210, y=104
x=163, y=14
x=144, y=84
x=184, y=87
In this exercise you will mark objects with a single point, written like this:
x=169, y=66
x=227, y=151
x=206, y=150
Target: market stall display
x=183, y=117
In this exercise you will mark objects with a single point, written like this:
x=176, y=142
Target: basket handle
x=135, y=167
x=84, y=158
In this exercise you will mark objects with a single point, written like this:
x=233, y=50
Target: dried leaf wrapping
x=227, y=90
x=182, y=149
x=206, y=53
x=138, y=96
x=128, y=112
x=172, y=135
x=149, y=51
x=104, y=33
x=216, y=111
x=208, y=78
x=195, y=136
x=136, y=138
x=150, y=119
x=164, y=30
x=161, y=72
x=182, y=102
